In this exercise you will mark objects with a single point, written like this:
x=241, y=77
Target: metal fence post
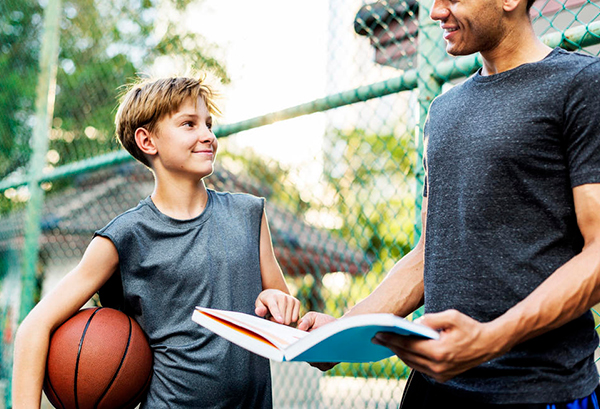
x=44, y=106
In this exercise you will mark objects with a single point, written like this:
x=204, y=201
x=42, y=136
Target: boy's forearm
x=30, y=351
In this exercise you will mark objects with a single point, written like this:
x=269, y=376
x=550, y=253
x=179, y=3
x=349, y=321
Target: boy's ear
x=145, y=141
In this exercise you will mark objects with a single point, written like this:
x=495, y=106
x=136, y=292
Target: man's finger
x=307, y=321
x=323, y=366
x=402, y=346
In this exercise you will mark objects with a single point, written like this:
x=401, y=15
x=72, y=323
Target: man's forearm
x=568, y=293
x=401, y=292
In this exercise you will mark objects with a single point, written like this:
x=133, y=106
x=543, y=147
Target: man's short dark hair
x=529, y=4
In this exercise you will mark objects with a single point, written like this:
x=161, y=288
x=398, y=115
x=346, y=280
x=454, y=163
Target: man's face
x=469, y=26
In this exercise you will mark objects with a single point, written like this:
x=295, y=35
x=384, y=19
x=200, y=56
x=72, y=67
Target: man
x=508, y=265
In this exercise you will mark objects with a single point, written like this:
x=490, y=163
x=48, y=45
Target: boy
x=184, y=245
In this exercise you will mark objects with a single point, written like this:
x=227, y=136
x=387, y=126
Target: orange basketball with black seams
x=99, y=358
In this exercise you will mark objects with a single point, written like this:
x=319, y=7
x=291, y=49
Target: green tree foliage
x=374, y=179
x=104, y=44
x=373, y=176
x=20, y=23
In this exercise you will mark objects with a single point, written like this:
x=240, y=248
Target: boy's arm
x=70, y=294
x=275, y=297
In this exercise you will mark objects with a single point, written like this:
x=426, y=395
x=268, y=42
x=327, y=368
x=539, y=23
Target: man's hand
x=463, y=344
x=314, y=320
x=283, y=308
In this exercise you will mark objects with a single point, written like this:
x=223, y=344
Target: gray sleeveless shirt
x=169, y=266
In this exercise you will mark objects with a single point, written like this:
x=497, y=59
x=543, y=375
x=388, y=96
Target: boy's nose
x=206, y=135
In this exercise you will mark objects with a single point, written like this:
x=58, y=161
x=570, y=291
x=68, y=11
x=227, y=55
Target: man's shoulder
x=563, y=65
x=576, y=56
x=452, y=94
x=574, y=61
x=577, y=71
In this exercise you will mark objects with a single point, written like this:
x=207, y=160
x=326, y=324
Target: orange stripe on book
x=240, y=329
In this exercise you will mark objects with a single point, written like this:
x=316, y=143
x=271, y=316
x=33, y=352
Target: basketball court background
x=323, y=104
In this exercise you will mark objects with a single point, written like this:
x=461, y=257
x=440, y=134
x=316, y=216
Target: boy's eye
x=209, y=125
x=188, y=123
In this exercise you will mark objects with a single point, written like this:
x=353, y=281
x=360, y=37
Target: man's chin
x=456, y=51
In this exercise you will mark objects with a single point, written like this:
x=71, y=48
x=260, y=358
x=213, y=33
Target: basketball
x=99, y=358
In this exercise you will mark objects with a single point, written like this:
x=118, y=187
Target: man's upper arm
x=423, y=221
x=587, y=208
x=582, y=126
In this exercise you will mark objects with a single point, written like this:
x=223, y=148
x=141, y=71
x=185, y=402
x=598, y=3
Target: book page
x=238, y=335
x=280, y=335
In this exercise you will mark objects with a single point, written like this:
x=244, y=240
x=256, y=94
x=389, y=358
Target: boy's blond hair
x=147, y=101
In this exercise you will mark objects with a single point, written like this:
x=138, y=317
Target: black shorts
x=421, y=394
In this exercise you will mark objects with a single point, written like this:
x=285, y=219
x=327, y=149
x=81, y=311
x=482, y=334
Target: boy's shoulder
x=129, y=218
x=235, y=199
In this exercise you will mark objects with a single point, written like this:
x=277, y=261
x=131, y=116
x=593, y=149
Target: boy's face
x=185, y=143
x=469, y=26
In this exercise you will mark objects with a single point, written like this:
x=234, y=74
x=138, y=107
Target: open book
x=344, y=340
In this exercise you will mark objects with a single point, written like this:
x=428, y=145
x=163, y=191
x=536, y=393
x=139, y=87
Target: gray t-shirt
x=503, y=153
x=169, y=266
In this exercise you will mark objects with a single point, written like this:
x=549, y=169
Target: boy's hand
x=283, y=308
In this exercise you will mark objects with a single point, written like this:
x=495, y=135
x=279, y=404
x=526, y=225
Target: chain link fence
x=333, y=143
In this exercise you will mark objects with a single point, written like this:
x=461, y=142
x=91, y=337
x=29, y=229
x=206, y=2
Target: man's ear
x=512, y=5
x=145, y=141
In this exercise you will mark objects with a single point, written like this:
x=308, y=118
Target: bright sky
x=281, y=53
x=275, y=53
